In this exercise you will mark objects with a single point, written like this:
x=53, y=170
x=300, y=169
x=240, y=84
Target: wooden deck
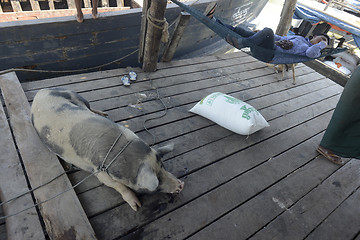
x=269, y=185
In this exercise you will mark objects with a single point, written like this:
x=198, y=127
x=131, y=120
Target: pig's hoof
x=180, y=187
x=132, y=200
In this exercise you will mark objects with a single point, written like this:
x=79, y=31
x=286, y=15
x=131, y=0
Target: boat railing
x=342, y=5
x=14, y=10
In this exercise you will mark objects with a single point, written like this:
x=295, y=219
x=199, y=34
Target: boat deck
x=269, y=185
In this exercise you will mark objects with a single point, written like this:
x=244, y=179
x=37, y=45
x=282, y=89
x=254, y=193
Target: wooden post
x=286, y=16
x=171, y=46
x=153, y=34
x=143, y=28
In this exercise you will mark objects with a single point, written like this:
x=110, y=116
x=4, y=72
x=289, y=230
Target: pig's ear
x=165, y=149
x=146, y=178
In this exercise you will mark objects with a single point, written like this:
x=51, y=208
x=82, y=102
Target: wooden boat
x=53, y=40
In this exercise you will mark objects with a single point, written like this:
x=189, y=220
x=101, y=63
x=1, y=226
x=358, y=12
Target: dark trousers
x=261, y=43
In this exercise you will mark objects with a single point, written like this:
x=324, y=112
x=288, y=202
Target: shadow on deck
x=269, y=185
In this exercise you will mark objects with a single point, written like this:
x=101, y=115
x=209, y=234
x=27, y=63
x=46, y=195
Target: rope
x=66, y=71
x=100, y=168
x=158, y=97
x=164, y=26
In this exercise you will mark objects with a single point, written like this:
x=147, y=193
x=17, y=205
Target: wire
x=66, y=71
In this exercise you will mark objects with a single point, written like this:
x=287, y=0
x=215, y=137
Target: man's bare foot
x=95, y=14
x=80, y=18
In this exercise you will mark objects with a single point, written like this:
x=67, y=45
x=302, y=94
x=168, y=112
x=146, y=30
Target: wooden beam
x=64, y=216
x=153, y=34
x=328, y=72
x=71, y=4
x=13, y=182
x=16, y=6
x=105, y=3
x=286, y=17
x=87, y=3
x=51, y=5
x=35, y=5
x=119, y=3
x=143, y=29
x=171, y=46
x=28, y=15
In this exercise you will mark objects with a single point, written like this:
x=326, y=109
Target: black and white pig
x=81, y=136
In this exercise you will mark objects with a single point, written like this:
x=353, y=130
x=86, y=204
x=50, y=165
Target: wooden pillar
x=286, y=16
x=153, y=34
x=171, y=46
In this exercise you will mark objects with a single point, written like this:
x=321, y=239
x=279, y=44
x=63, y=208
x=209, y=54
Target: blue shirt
x=301, y=46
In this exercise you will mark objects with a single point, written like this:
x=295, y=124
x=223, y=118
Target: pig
x=84, y=137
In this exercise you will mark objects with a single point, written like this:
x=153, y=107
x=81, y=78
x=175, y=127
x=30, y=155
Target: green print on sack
x=210, y=99
x=232, y=100
x=247, y=111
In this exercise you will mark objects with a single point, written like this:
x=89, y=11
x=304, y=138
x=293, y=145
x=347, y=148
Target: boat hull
x=59, y=44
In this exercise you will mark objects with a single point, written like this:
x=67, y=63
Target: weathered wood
x=87, y=3
x=171, y=46
x=143, y=30
x=193, y=129
x=312, y=209
x=328, y=72
x=25, y=225
x=28, y=15
x=63, y=216
x=343, y=223
x=286, y=17
x=35, y=5
x=16, y=6
x=71, y=4
x=198, y=184
x=120, y=3
x=51, y=5
x=153, y=34
x=105, y=3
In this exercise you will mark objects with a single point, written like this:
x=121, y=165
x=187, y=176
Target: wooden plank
x=120, y=3
x=289, y=177
x=171, y=46
x=51, y=5
x=343, y=223
x=2, y=231
x=199, y=183
x=105, y=3
x=313, y=208
x=27, y=15
x=328, y=72
x=25, y=225
x=92, y=206
x=35, y=5
x=16, y=6
x=87, y=3
x=87, y=78
x=63, y=216
x=71, y=4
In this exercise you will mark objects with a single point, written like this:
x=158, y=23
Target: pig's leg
x=79, y=14
x=128, y=195
x=94, y=8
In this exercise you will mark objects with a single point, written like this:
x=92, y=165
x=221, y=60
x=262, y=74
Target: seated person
x=79, y=14
x=261, y=41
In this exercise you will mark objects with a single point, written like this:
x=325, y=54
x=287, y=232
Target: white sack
x=230, y=113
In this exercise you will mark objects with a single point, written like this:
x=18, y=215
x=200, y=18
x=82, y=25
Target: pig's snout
x=180, y=187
